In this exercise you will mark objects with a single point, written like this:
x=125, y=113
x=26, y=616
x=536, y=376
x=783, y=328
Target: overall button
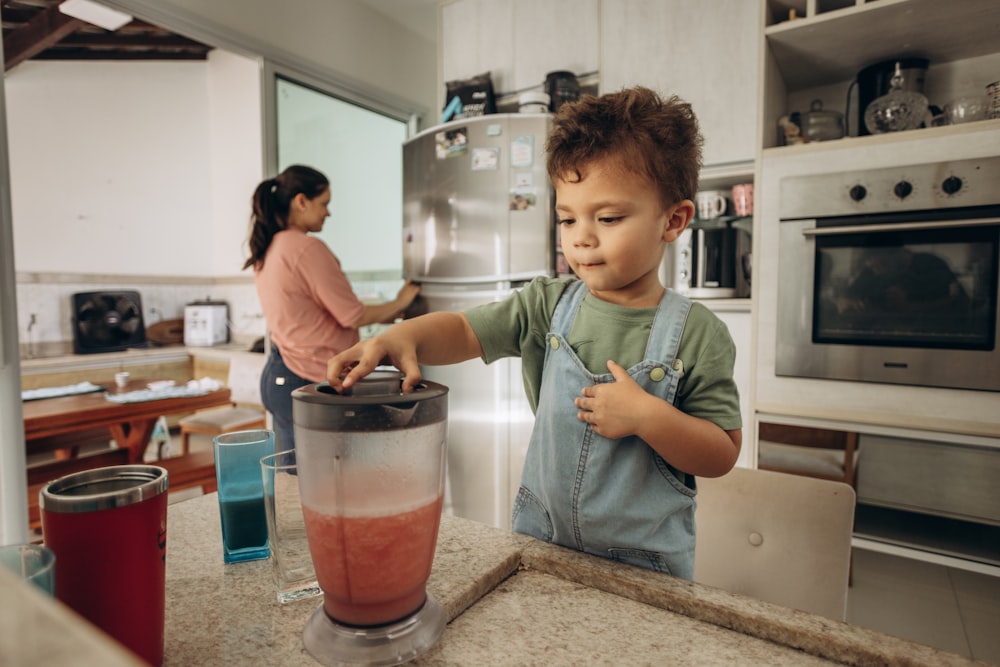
x=657, y=374
x=554, y=343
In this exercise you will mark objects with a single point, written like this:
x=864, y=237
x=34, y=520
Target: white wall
x=234, y=122
x=110, y=171
x=134, y=167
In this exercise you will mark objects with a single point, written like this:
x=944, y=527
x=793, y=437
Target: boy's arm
x=435, y=339
x=622, y=408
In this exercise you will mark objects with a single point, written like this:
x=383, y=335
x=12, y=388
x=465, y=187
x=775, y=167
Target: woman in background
x=311, y=311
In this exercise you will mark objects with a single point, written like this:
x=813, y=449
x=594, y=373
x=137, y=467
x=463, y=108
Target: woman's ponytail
x=270, y=205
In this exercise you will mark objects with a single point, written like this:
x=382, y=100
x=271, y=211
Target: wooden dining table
x=129, y=424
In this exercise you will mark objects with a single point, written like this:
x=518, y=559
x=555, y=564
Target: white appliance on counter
x=206, y=323
x=479, y=223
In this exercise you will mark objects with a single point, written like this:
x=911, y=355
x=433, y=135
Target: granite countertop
x=35, y=630
x=509, y=599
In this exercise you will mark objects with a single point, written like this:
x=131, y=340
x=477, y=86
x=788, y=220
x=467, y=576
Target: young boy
x=631, y=384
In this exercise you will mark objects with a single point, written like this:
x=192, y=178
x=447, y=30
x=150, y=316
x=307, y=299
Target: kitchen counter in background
x=170, y=362
x=34, y=365
x=511, y=600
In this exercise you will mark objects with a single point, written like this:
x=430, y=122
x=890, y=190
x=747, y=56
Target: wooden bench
x=196, y=469
x=190, y=470
x=70, y=445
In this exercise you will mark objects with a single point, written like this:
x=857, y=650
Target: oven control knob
x=858, y=192
x=903, y=189
x=951, y=185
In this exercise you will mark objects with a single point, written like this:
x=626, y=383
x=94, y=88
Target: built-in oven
x=891, y=275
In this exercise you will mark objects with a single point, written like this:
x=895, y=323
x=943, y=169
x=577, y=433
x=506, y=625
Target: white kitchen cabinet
x=552, y=35
x=518, y=41
x=476, y=38
x=705, y=51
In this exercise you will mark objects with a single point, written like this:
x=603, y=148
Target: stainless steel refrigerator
x=478, y=224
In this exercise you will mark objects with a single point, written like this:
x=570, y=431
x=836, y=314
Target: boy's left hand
x=612, y=409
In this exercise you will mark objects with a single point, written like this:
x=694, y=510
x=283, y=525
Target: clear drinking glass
x=241, y=493
x=32, y=562
x=294, y=574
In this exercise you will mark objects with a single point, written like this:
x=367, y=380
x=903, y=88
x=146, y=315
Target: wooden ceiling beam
x=108, y=40
x=38, y=34
x=58, y=53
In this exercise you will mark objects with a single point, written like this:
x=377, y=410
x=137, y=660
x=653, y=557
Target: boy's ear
x=679, y=217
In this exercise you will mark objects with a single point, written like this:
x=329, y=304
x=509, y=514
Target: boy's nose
x=581, y=234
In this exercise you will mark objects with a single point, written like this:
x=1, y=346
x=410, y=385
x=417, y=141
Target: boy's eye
x=611, y=219
x=566, y=221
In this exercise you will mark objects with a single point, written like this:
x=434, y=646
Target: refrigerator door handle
x=478, y=280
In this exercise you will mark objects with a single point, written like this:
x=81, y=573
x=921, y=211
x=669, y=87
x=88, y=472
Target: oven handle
x=905, y=226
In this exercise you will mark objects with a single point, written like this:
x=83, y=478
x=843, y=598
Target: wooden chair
x=813, y=452
x=777, y=537
x=244, y=383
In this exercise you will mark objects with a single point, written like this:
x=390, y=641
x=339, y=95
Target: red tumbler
x=108, y=529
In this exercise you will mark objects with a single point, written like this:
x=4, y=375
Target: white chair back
x=777, y=537
x=244, y=377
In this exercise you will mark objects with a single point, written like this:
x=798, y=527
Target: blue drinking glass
x=241, y=493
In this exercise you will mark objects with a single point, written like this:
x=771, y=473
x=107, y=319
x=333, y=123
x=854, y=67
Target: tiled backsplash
x=44, y=303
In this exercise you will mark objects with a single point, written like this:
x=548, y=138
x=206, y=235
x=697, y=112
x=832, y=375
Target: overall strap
x=668, y=325
x=565, y=312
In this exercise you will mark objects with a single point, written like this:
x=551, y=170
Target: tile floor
x=950, y=609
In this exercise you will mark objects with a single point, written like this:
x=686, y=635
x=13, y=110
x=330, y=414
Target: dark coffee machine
x=562, y=87
x=711, y=259
x=873, y=82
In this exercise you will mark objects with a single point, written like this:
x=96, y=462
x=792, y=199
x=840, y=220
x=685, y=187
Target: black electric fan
x=107, y=321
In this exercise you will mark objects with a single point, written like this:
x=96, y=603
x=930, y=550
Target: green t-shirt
x=516, y=327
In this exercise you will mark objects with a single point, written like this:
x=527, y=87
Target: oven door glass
x=927, y=288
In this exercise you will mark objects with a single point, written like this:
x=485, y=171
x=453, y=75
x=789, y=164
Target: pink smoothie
x=373, y=569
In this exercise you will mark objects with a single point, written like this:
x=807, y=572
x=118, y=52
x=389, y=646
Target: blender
x=371, y=465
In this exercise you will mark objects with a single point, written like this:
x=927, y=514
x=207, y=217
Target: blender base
x=333, y=644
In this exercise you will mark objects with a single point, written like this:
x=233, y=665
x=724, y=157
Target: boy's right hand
x=354, y=363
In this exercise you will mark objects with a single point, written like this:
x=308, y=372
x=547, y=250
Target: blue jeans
x=277, y=382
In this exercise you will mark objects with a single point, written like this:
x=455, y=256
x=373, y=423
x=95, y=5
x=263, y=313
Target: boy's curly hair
x=647, y=135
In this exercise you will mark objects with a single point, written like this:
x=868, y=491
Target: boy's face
x=613, y=229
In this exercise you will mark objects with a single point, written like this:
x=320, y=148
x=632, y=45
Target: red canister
x=108, y=529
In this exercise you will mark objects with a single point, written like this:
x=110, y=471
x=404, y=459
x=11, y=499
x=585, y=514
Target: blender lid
x=377, y=387
x=374, y=402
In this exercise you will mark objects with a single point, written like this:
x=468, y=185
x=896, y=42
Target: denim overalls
x=612, y=498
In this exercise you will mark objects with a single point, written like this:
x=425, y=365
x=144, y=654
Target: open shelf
x=834, y=45
x=936, y=534
x=881, y=139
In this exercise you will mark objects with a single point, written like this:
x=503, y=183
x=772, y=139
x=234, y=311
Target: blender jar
x=371, y=465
